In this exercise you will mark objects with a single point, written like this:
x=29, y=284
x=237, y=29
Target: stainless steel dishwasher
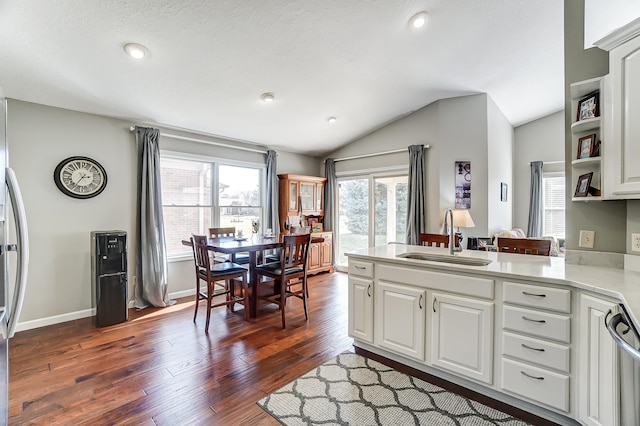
x=627, y=338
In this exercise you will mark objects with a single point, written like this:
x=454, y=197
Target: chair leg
x=245, y=294
x=305, y=293
x=230, y=286
x=283, y=301
x=209, y=300
x=195, y=314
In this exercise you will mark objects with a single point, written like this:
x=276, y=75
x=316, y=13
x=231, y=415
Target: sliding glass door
x=372, y=211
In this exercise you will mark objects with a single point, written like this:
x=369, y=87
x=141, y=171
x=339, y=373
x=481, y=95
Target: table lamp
x=462, y=219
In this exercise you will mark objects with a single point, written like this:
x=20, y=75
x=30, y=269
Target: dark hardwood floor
x=160, y=368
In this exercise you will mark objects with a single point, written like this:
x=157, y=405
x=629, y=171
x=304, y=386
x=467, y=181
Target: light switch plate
x=586, y=239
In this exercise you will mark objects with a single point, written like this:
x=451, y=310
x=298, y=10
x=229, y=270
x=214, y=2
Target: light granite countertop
x=620, y=284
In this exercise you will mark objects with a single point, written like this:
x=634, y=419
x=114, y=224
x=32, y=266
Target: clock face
x=80, y=177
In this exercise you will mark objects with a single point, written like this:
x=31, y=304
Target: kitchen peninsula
x=525, y=330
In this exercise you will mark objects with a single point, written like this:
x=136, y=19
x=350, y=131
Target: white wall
x=539, y=140
x=39, y=137
x=500, y=169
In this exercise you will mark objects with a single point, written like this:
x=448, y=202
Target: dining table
x=254, y=245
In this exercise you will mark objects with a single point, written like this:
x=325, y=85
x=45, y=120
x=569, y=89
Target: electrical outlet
x=635, y=242
x=586, y=239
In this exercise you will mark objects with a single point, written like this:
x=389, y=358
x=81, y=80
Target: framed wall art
x=582, y=187
x=463, y=184
x=586, y=145
x=588, y=107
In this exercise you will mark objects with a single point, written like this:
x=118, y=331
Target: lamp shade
x=462, y=218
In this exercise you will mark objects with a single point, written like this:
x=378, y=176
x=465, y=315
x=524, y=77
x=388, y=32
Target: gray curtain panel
x=417, y=202
x=271, y=216
x=536, y=213
x=151, y=253
x=331, y=200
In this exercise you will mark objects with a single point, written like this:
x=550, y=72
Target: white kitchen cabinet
x=462, y=335
x=400, y=319
x=597, y=363
x=621, y=165
x=361, y=308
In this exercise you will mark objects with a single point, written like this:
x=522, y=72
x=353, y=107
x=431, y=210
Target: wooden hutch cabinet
x=302, y=195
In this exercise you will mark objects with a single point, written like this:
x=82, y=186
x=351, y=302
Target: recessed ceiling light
x=418, y=20
x=136, y=51
x=332, y=119
x=268, y=97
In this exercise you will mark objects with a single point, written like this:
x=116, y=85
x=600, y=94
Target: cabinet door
x=319, y=197
x=462, y=336
x=326, y=251
x=597, y=396
x=622, y=145
x=313, y=259
x=400, y=319
x=293, y=198
x=361, y=309
x=306, y=196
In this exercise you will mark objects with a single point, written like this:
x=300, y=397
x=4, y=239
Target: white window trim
x=216, y=161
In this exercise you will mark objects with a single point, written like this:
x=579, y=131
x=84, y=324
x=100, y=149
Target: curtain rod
x=549, y=162
x=374, y=154
x=186, y=138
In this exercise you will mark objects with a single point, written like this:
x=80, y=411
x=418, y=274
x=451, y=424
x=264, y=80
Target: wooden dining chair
x=524, y=246
x=435, y=240
x=292, y=265
x=230, y=231
x=217, y=272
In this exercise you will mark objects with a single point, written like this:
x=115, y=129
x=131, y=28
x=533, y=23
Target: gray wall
x=539, y=140
x=458, y=129
x=59, y=285
x=606, y=218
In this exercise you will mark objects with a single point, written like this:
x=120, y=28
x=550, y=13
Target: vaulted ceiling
x=208, y=62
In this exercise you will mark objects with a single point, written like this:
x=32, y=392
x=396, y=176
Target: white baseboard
x=57, y=319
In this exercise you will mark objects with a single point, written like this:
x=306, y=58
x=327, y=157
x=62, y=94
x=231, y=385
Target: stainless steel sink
x=445, y=258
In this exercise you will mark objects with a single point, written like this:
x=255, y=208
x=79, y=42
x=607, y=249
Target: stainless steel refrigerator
x=11, y=294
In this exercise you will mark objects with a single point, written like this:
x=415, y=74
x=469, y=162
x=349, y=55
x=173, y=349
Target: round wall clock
x=80, y=177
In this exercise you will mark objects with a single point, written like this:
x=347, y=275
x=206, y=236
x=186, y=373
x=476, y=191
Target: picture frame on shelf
x=595, y=151
x=583, y=185
x=316, y=227
x=585, y=146
x=589, y=106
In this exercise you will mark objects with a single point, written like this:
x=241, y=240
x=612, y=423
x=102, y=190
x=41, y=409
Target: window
x=372, y=211
x=198, y=195
x=554, y=198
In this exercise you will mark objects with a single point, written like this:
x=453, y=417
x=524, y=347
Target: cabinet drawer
x=536, y=351
x=362, y=269
x=553, y=299
x=536, y=384
x=535, y=323
x=450, y=283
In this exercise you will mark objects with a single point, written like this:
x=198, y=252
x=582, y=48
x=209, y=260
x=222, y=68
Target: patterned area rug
x=353, y=390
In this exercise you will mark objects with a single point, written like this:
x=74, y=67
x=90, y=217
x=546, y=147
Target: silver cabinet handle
x=369, y=290
x=533, y=320
x=533, y=349
x=530, y=376
x=526, y=293
x=433, y=305
x=420, y=302
x=360, y=267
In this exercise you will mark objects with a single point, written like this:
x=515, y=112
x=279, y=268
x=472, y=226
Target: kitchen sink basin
x=444, y=258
